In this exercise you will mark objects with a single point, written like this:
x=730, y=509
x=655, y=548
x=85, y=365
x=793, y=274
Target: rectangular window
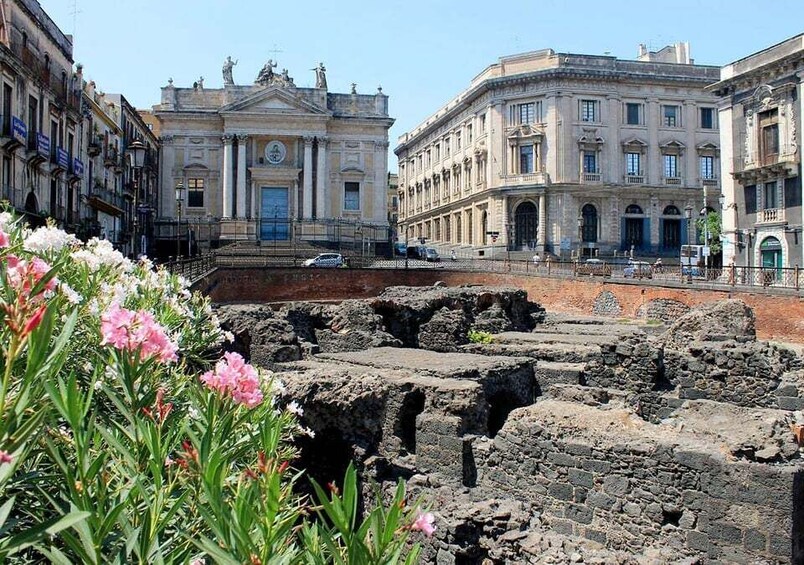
x=469, y=134
x=195, y=193
x=707, y=118
x=7, y=99
x=458, y=141
x=707, y=167
x=8, y=181
x=526, y=114
x=427, y=161
x=525, y=159
x=33, y=122
x=632, y=164
x=589, y=111
x=482, y=124
x=633, y=113
x=446, y=147
x=770, y=199
x=437, y=152
x=589, y=162
x=671, y=116
x=671, y=166
x=351, y=196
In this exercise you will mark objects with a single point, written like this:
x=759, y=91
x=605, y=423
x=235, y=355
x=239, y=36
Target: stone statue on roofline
x=320, y=76
x=227, y=71
x=266, y=75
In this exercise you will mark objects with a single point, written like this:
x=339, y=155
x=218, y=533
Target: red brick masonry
x=778, y=317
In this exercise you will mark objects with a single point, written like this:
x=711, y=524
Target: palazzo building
x=271, y=161
x=566, y=154
x=762, y=105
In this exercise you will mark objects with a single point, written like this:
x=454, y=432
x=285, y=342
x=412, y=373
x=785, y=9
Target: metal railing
x=732, y=276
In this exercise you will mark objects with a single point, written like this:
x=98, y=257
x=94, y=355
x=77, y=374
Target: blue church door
x=274, y=214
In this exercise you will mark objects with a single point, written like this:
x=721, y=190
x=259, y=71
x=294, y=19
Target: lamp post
x=136, y=154
x=179, y=201
x=580, y=235
x=688, y=216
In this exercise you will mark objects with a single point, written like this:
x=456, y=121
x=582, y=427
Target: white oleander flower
x=306, y=432
x=47, y=239
x=294, y=408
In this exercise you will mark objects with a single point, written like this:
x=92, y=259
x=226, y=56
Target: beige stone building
x=270, y=161
x=762, y=105
x=567, y=154
x=41, y=131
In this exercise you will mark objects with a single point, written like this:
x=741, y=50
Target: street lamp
x=580, y=235
x=704, y=214
x=179, y=200
x=688, y=216
x=136, y=153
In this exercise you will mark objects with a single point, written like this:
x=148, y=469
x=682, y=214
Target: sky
x=422, y=52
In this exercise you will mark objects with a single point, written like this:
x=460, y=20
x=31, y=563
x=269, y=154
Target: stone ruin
x=566, y=439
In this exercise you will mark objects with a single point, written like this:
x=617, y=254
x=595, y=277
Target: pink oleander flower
x=127, y=330
x=4, y=239
x=5, y=457
x=234, y=377
x=24, y=275
x=424, y=524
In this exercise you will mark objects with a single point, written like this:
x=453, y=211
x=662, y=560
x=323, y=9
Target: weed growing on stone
x=476, y=336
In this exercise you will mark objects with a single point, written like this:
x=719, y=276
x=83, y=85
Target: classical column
x=307, y=188
x=295, y=196
x=226, y=208
x=541, y=230
x=379, y=214
x=241, y=176
x=321, y=180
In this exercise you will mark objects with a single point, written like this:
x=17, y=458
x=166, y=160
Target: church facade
x=271, y=162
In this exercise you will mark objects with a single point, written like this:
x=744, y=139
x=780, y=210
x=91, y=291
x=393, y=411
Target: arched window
x=671, y=211
x=589, y=218
x=633, y=209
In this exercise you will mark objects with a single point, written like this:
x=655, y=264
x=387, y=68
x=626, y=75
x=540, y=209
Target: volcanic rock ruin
x=565, y=439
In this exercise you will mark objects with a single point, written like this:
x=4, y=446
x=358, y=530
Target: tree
x=710, y=224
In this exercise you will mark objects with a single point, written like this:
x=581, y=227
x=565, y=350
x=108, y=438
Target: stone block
x=560, y=491
x=579, y=513
x=697, y=541
x=581, y=478
x=755, y=540
x=692, y=459
x=616, y=485
x=790, y=403
x=632, y=509
x=595, y=535
x=562, y=459
x=726, y=532
x=597, y=499
x=560, y=526
x=595, y=466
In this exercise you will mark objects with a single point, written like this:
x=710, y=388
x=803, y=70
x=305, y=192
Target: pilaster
x=307, y=187
x=228, y=177
x=241, y=176
x=322, y=174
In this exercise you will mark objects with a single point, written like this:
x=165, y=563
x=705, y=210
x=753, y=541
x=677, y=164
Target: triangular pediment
x=273, y=100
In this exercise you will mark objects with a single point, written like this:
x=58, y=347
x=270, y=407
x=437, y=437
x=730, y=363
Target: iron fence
x=735, y=276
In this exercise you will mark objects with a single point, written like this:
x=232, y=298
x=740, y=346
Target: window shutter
x=750, y=193
x=792, y=192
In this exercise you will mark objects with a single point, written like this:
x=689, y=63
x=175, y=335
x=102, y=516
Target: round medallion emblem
x=275, y=152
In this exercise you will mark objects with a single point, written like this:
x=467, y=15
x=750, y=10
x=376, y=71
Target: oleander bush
x=126, y=438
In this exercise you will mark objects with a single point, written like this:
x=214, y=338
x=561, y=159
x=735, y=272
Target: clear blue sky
x=422, y=52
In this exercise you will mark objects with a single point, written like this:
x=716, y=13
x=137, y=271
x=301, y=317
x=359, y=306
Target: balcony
x=771, y=216
x=672, y=181
x=524, y=179
x=711, y=181
x=634, y=179
x=590, y=178
x=95, y=145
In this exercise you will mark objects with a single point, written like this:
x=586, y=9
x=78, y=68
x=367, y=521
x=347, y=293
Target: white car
x=325, y=260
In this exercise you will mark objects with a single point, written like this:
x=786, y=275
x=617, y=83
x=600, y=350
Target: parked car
x=431, y=254
x=325, y=260
x=400, y=248
x=594, y=267
x=638, y=269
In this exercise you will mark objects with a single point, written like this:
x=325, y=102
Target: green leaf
x=48, y=527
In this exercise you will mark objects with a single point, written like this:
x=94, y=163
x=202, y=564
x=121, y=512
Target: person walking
x=536, y=260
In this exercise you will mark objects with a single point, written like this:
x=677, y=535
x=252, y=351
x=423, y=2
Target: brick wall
x=779, y=317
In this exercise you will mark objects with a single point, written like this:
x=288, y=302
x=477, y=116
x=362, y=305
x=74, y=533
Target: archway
x=589, y=216
x=634, y=228
x=770, y=257
x=526, y=225
x=670, y=228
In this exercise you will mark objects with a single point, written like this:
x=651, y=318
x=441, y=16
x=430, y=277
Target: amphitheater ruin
x=563, y=439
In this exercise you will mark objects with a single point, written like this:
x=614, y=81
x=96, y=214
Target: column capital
x=242, y=137
x=308, y=139
x=381, y=144
x=322, y=139
x=227, y=138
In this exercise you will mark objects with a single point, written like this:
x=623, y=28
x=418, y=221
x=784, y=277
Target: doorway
x=526, y=224
x=274, y=214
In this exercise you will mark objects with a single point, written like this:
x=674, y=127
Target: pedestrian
x=536, y=260
x=453, y=256
x=657, y=266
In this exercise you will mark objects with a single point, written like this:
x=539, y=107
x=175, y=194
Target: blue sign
x=78, y=167
x=42, y=143
x=62, y=158
x=18, y=130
